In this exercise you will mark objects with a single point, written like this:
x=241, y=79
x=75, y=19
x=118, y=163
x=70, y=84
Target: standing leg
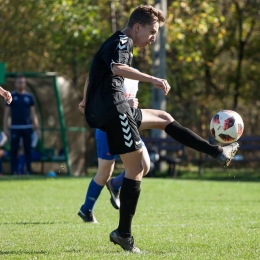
x=27, y=142
x=129, y=195
x=105, y=169
x=114, y=184
x=124, y=139
x=15, y=140
x=130, y=191
x=106, y=163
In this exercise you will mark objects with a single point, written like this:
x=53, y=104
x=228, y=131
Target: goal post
x=2, y=72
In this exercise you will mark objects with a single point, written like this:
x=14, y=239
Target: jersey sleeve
x=120, y=52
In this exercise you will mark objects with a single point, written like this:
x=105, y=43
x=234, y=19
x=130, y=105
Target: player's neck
x=128, y=32
x=21, y=92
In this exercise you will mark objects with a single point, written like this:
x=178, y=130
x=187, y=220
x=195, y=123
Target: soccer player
x=107, y=109
x=23, y=120
x=106, y=161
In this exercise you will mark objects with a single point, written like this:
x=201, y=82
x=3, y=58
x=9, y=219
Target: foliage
x=213, y=49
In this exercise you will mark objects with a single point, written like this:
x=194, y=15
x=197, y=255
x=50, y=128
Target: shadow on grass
x=18, y=252
x=36, y=177
x=189, y=172
x=33, y=223
x=215, y=174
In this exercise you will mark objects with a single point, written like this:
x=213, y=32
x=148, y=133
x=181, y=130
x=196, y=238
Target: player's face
x=20, y=83
x=145, y=35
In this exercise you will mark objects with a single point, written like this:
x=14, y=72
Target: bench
x=164, y=150
x=248, y=152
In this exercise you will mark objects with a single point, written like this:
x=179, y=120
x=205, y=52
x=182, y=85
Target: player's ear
x=137, y=28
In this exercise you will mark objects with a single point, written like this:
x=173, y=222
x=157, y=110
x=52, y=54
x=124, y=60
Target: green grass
x=175, y=219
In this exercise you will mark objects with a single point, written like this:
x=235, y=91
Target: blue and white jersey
x=21, y=110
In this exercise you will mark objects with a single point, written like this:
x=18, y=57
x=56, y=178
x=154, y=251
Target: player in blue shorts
x=106, y=162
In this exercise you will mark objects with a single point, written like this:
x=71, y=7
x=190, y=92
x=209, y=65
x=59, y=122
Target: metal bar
x=67, y=129
x=33, y=74
x=159, y=67
x=62, y=125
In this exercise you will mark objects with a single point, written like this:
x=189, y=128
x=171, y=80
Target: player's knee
x=146, y=167
x=168, y=118
x=105, y=170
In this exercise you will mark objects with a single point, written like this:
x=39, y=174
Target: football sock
x=129, y=195
x=189, y=138
x=92, y=195
x=117, y=181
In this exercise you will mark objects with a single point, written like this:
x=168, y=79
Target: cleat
x=87, y=216
x=115, y=201
x=227, y=154
x=126, y=243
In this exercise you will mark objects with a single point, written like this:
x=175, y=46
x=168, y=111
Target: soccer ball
x=226, y=126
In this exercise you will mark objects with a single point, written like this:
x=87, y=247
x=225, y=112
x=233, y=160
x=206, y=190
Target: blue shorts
x=102, y=146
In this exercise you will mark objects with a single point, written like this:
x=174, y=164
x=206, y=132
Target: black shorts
x=122, y=132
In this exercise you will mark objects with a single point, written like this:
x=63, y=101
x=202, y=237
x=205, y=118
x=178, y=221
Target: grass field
x=176, y=219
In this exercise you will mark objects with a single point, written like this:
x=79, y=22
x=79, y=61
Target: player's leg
x=162, y=120
x=27, y=144
x=114, y=184
x=123, y=138
x=15, y=140
x=145, y=160
x=96, y=185
x=129, y=195
x=106, y=164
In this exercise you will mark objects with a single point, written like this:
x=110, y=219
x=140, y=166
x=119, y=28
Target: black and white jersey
x=105, y=97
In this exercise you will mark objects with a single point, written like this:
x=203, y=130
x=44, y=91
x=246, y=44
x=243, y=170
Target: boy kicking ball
x=107, y=109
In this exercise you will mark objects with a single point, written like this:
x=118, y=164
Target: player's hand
x=7, y=96
x=82, y=106
x=161, y=84
x=133, y=102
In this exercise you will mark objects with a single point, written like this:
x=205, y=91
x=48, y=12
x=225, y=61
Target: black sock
x=189, y=138
x=129, y=195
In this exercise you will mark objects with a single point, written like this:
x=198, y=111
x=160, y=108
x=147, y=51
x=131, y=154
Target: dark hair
x=145, y=14
x=19, y=75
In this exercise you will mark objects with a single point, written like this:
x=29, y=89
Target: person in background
x=23, y=121
x=35, y=154
x=106, y=161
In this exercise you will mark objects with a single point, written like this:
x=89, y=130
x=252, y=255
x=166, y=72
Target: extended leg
x=161, y=120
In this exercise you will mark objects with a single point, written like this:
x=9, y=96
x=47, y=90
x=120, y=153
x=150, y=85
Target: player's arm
x=6, y=95
x=128, y=72
x=5, y=123
x=83, y=102
x=35, y=120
